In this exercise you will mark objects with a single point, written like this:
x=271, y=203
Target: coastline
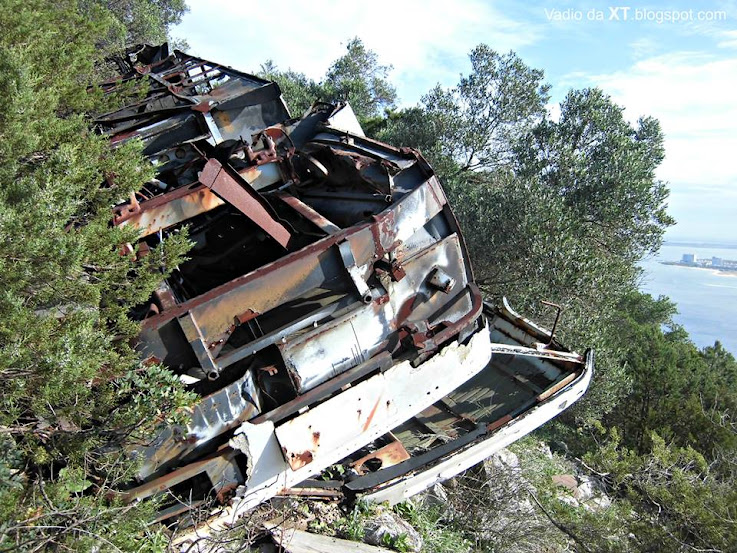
x=720, y=271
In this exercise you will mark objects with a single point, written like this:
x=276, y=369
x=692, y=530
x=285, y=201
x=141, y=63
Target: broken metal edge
x=507, y=434
x=408, y=389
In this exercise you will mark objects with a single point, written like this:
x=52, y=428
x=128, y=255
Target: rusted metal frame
x=349, y=262
x=142, y=118
x=161, y=484
x=379, y=362
x=391, y=454
x=352, y=197
x=308, y=213
x=501, y=433
x=152, y=131
x=211, y=417
x=271, y=473
x=554, y=355
x=364, y=412
x=227, y=70
x=337, y=345
x=157, y=201
x=230, y=186
x=167, y=210
x=184, y=68
x=366, y=147
x=174, y=207
x=450, y=330
x=434, y=431
x=153, y=95
x=377, y=478
x=194, y=336
x=443, y=409
x=447, y=408
x=275, y=336
x=287, y=279
x=293, y=275
x=519, y=379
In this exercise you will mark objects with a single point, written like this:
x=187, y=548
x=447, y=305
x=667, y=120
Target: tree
x=356, y=77
x=672, y=500
x=298, y=90
x=604, y=169
x=74, y=392
x=474, y=126
x=142, y=21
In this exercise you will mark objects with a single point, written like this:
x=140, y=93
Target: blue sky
x=676, y=61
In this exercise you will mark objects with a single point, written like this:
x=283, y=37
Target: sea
x=706, y=298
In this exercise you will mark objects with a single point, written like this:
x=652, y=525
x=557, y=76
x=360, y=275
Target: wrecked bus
x=327, y=313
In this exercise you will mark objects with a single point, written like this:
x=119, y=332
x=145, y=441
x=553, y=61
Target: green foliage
x=670, y=376
x=74, y=391
x=351, y=526
x=298, y=90
x=604, y=170
x=676, y=502
x=563, y=209
x=356, y=77
x=438, y=534
x=667, y=452
x=138, y=21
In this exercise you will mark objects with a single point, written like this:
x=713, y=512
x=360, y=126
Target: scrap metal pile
x=327, y=313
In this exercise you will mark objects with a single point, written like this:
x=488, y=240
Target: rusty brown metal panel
x=237, y=192
x=388, y=455
x=170, y=209
x=309, y=213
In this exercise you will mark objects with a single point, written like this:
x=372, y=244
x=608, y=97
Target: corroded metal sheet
x=364, y=412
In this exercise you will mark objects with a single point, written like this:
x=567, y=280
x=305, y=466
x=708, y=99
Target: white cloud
x=426, y=41
x=693, y=97
x=692, y=94
x=643, y=47
x=728, y=39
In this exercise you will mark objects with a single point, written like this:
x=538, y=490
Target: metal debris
x=327, y=313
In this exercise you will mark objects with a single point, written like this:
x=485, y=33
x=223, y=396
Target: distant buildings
x=690, y=260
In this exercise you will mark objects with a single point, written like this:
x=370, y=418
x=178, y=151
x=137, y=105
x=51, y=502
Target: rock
x=569, y=500
x=391, y=525
x=588, y=488
x=567, y=481
x=545, y=450
x=592, y=494
x=435, y=497
x=599, y=502
x=505, y=459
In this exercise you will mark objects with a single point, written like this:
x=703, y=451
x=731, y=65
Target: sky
x=676, y=61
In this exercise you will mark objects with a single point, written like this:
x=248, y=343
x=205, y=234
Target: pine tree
x=74, y=393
